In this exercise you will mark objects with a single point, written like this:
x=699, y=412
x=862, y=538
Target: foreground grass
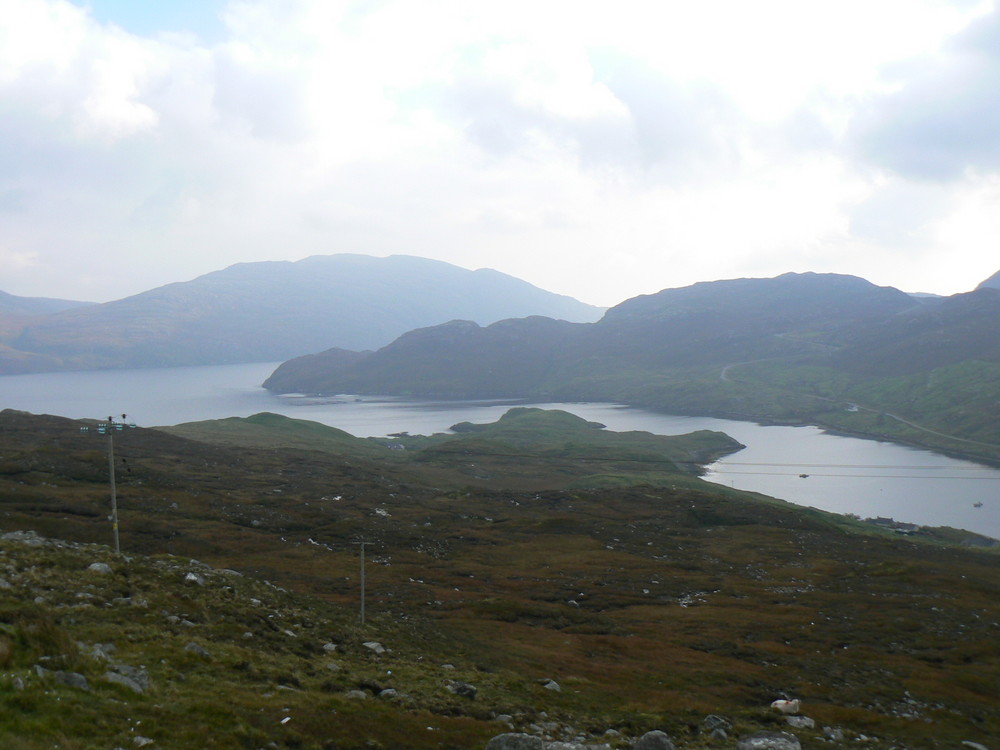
x=651, y=607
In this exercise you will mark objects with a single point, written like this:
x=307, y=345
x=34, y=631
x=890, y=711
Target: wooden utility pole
x=114, y=491
x=362, y=544
x=109, y=427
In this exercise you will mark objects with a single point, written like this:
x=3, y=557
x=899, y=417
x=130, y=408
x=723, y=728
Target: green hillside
x=647, y=607
x=800, y=348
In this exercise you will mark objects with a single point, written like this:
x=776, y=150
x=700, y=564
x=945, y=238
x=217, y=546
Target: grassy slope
x=650, y=606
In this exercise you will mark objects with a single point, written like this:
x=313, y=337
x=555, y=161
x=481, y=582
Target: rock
x=359, y=695
x=140, y=741
x=5, y=584
x=194, y=578
x=194, y=648
x=713, y=722
x=120, y=679
x=329, y=647
x=72, y=679
x=463, y=689
x=836, y=734
x=333, y=666
x=552, y=685
x=655, y=740
x=974, y=745
x=515, y=741
x=769, y=741
x=374, y=646
x=99, y=567
x=135, y=678
x=800, y=722
x=388, y=693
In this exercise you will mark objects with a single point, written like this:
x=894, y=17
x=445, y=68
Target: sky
x=596, y=149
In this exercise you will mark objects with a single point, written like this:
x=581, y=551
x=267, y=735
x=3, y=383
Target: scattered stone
x=99, y=567
x=515, y=741
x=655, y=740
x=194, y=648
x=5, y=584
x=140, y=741
x=463, y=689
x=375, y=647
x=128, y=682
x=356, y=695
x=329, y=647
x=974, y=745
x=388, y=693
x=712, y=722
x=194, y=578
x=552, y=685
x=769, y=741
x=333, y=666
x=505, y=719
x=836, y=734
x=447, y=666
x=18, y=683
x=800, y=722
x=72, y=679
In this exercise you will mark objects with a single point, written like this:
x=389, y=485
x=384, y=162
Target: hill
x=14, y=305
x=993, y=282
x=258, y=312
x=797, y=348
x=562, y=613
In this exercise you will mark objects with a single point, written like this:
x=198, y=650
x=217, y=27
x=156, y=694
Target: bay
x=804, y=465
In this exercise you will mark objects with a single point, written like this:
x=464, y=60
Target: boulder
x=128, y=682
x=99, y=567
x=515, y=741
x=769, y=741
x=463, y=689
x=194, y=648
x=655, y=740
x=72, y=679
x=374, y=646
x=800, y=722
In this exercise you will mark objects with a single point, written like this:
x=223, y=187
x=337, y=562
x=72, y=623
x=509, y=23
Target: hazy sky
x=595, y=149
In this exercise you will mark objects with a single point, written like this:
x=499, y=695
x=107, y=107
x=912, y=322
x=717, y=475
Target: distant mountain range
x=13, y=305
x=256, y=312
x=799, y=347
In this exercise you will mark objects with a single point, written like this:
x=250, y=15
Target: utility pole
x=109, y=428
x=362, y=544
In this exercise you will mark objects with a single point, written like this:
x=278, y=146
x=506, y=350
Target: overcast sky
x=595, y=149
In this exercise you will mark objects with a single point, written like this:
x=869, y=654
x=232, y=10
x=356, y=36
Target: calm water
x=845, y=475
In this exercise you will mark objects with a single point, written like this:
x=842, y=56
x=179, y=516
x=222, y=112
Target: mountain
x=993, y=282
x=708, y=323
x=14, y=305
x=274, y=310
x=799, y=348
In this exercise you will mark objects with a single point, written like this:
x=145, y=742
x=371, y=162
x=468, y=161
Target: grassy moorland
x=650, y=605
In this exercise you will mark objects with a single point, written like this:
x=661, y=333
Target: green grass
x=651, y=606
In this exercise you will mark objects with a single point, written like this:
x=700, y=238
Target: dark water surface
x=845, y=475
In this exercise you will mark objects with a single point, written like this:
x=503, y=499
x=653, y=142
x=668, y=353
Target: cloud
x=943, y=119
